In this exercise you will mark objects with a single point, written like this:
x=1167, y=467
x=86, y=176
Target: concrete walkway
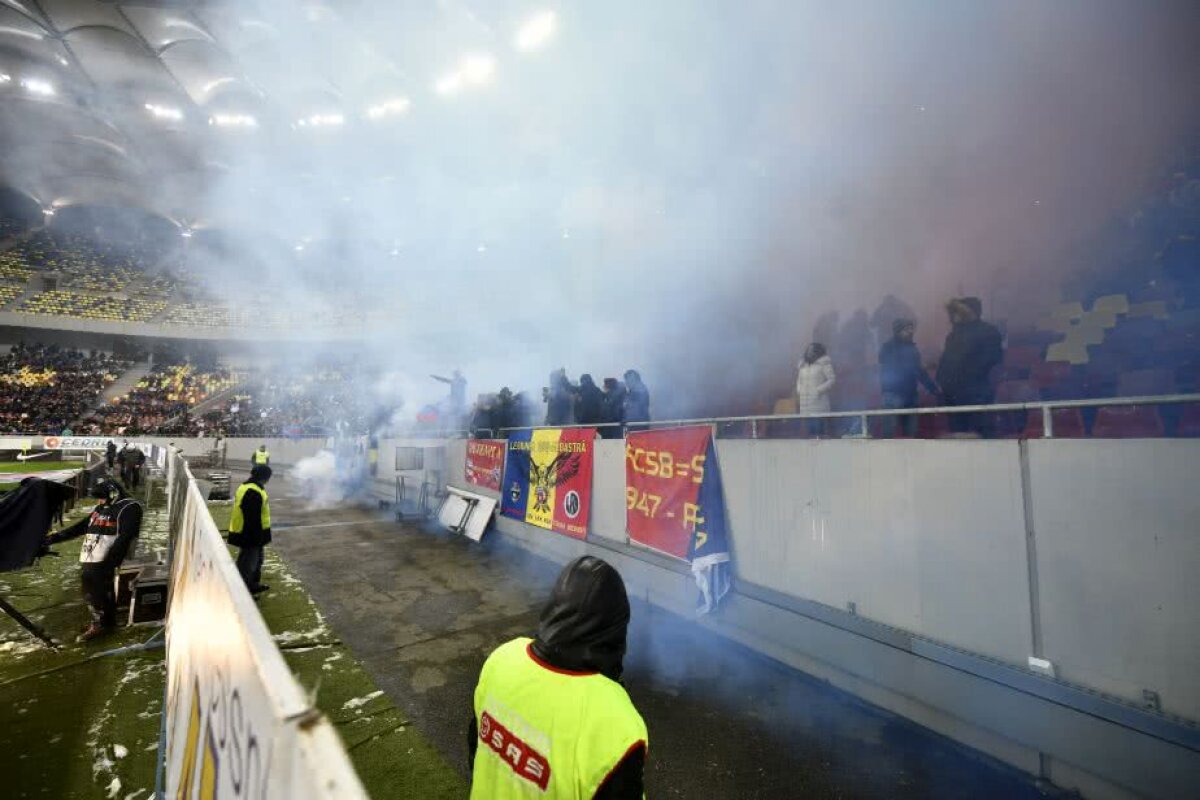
x=422, y=610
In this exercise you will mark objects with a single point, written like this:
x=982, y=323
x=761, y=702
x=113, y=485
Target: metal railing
x=1044, y=407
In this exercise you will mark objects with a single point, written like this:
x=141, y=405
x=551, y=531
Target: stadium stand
x=69, y=303
x=9, y=293
x=45, y=389
x=160, y=402
x=199, y=315
x=11, y=226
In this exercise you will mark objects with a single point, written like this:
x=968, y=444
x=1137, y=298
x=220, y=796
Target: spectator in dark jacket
x=614, y=409
x=482, y=417
x=523, y=415
x=899, y=372
x=589, y=402
x=973, y=348
x=558, y=399
x=637, y=398
x=503, y=412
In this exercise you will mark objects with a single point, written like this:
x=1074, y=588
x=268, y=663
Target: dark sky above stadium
x=683, y=187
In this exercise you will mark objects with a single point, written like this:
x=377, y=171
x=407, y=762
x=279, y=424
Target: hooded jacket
x=589, y=408
x=582, y=629
x=584, y=623
x=972, y=349
x=637, y=399
x=813, y=383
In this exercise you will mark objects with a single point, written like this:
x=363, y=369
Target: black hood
x=584, y=622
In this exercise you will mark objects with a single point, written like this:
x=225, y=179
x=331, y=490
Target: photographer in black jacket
x=109, y=534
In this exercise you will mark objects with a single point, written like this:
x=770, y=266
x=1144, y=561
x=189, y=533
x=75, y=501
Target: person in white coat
x=814, y=382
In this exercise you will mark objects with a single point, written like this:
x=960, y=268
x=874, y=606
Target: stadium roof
x=139, y=103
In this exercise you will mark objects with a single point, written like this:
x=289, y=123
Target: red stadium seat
x=1127, y=422
x=1067, y=422
x=1189, y=422
x=1044, y=373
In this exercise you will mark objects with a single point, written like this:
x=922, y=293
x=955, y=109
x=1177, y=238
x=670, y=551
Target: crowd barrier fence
x=237, y=722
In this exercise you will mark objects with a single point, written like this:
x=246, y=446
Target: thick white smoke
x=683, y=188
x=320, y=482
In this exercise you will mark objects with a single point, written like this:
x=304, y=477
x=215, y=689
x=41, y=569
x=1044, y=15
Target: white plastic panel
x=1118, y=541
x=925, y=536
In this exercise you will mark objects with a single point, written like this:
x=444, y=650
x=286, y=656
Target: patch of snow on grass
x=359, y=702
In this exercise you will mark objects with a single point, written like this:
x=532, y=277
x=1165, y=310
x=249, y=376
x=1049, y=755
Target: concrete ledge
x=1084, y=742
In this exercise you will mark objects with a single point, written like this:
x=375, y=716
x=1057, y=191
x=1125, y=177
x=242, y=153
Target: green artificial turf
x=74, y=725
x=392, y=759
x=38, y=465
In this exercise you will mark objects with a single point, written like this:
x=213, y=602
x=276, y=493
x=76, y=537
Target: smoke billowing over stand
x=683, y=189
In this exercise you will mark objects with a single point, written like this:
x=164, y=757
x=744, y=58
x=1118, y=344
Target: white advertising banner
x=238, y=724
x=87, y=443
x=15, y=443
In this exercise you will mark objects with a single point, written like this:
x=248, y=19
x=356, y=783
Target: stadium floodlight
x=48, y=212
x=164, y=112
x=387, y=108
x=9, y=30
x=474, y=70
x=38, y=87
x=5, y=77
x=186, y=233
x=448, y=84
x=233, y=121
x=322, y=121
x=536, y=31
x=478, y=70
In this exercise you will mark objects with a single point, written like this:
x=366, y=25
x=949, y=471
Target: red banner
x=485, y=459
x=664, y=472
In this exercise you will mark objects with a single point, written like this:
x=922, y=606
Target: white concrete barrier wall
x=1117, y=527
x=238, y=724
x=930, y=537
x=284, y=451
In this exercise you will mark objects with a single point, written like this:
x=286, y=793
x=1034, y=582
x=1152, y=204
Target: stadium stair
x=209, y=403
x=122, y=385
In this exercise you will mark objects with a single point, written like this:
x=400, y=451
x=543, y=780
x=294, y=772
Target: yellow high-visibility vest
x=260, y=457
x=236, y=521
x=546, y=732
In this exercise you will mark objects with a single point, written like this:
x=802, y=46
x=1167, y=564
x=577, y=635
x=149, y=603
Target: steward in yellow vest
x=551, y=719
x=261, y=456
x=250, y=527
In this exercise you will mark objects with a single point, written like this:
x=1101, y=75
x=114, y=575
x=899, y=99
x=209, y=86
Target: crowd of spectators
x=973, y=349
x=45, y=389
x=160, y=402
x=321, y=401
x=613, y=408
x=11, y=226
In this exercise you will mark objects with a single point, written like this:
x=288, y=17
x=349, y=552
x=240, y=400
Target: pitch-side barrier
x=237, y=723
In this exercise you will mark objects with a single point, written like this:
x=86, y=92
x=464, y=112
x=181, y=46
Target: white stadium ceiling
x=150, y=94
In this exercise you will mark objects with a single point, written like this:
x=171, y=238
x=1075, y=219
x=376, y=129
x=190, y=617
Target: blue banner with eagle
x=548, y=479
